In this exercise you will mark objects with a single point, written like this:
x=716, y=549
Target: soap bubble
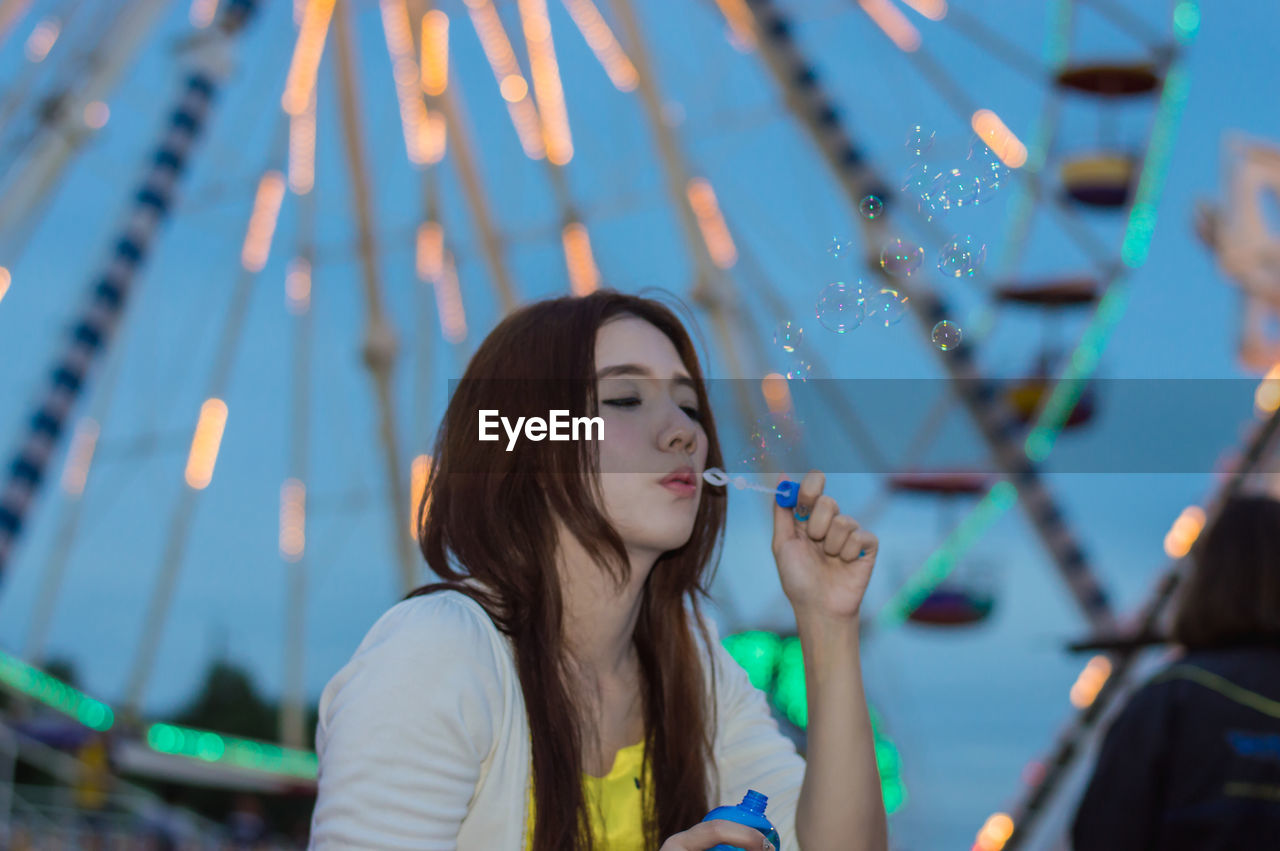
x=871, y=207
x=787, y=336
x=919, y=140
x=887, y=306
x=838, y=247
x=988, y=167
x=801, y=368
x=962, y=257
x=946, y=335
x=775, y=436
x=901, y=258
x=840, y=307
x=954, y=188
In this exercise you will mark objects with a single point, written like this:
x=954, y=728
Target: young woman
x=551, y=693
x=1192, y=762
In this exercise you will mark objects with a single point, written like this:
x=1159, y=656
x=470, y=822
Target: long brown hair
x=1232, y=595
x=488, y=514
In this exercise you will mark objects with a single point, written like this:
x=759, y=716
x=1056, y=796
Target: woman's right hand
x=709, y=834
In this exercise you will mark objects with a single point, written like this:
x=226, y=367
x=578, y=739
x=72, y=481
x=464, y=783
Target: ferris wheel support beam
x=380, y=342
x=1067, y=748
x=710, y=282
x=109, y=294
x=996, y=424
x=66, y=131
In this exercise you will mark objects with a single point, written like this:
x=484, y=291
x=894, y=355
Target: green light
x=756, y=651
x=941, y=561
x=1186, y=21
x=790, y=697
x=231, y=750
x=54, y=693
x=788, y=688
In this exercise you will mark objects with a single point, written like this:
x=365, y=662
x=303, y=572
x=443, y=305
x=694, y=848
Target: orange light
x=742, y=29
x=293, y=519
x=514, y=88
x=584, y=277
x=777, y=395
x=262, y=223
x=999, y=138
x=418, y=474
x=307, y=51
x=204, y=445
x=995, y=833
x=96, y=114
x=202, y=12
x=1184, y=531
x=435, y=137
x=702, y=199
x=80, y=456
x=547, y=90
x=42, y=39
x=603, y=44
x=297, y=286
x=893, y=23
x=453, y=320
x=5, y=280
x=435, y=52
x=430, y=253
x=302, y=149
x=1090, y=682
x=408, y=79
x=934, y=10
x=1267, y=396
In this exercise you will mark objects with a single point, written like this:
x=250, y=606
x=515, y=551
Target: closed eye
x=631, y=402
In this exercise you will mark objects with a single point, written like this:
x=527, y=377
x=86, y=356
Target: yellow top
x=613, y=803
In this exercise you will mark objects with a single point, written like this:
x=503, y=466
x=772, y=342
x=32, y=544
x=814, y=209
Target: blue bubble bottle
x=751, y=813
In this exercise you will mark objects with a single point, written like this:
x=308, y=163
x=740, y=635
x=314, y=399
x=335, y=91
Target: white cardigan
x=423, y=739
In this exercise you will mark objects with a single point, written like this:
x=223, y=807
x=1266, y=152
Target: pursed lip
x=683, y=475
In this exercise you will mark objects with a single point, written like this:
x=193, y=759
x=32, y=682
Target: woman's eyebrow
x=642, y=371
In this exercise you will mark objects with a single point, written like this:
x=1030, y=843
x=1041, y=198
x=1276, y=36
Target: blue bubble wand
x=787, y=493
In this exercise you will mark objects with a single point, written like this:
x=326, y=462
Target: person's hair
x=1232, y=594
x=488, y=513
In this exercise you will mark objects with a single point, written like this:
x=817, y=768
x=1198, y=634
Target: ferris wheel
x=478, y=92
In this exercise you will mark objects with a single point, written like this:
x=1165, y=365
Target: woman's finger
x=708, y=834
x=838, y=535
x=810, y=489
x=824, y=511
x=860, y=544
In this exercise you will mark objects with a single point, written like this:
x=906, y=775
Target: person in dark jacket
x=1192, y=762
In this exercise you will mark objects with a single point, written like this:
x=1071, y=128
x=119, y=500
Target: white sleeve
x=751, y=752
x=404, y=728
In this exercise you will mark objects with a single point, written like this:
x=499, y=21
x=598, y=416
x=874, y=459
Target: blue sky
x=968, y=710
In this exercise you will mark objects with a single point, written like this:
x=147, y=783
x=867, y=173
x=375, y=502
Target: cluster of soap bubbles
x=941, y=187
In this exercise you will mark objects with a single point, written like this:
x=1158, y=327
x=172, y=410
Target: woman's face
x=652, y=429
